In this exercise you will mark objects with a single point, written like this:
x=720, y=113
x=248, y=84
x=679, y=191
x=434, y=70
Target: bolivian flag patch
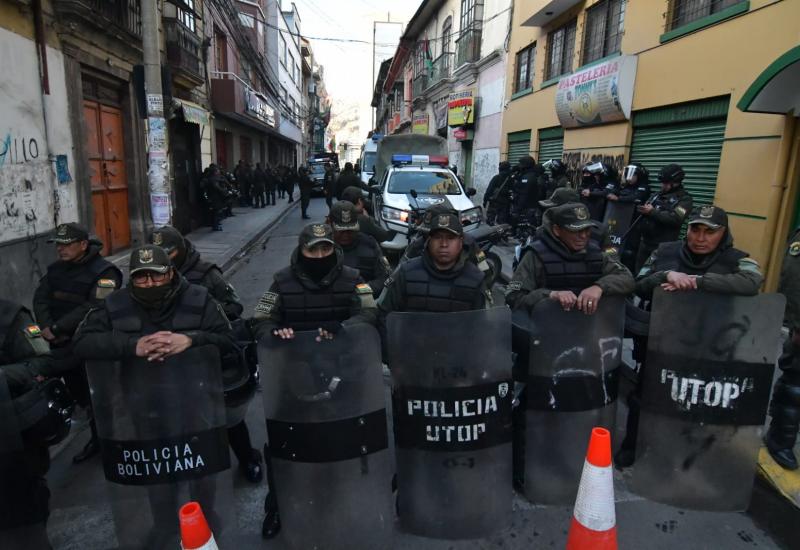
x=107, y=283
x=363, y=288
x=33, y=331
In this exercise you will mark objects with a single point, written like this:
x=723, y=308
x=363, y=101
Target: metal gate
x=519, y=145
x=551, y=144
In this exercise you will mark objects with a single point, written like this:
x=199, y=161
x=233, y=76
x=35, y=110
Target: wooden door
x=222, y=149
x=109, y=180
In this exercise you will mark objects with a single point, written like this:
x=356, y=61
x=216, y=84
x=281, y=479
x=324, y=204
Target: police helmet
x=596, y=168
x=555, y=166
x=671, y=173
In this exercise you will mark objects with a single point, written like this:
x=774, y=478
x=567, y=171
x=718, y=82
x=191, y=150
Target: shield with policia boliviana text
x=325, y=407
x=162, y=429
x=571, y=387
x=706, y=387
x=452, y=396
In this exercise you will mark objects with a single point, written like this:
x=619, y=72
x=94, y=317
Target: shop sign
x=461, y=108
x=596, y=95
x=194, y=113
x=421, y=123
x=460, y=133
x=259, y=108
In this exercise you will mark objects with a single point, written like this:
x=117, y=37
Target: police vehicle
x=369, y=155
x=411, y=185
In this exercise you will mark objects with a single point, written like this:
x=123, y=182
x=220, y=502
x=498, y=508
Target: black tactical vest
x=197, y=271
x=426, y=292
x=188, y=313
x=569, y=273
x=306, y=308
x=362, y=258
x=668, y=258
x=71, y=283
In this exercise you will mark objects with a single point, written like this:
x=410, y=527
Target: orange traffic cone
x=594, y=522
x=195, y=533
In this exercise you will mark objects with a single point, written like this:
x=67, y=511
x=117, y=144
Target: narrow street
x=81, y=516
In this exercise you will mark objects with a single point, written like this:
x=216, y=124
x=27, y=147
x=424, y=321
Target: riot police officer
x=704, y=260
x=634, y=189
x=495, y=199
x=556, y=171
x=361, y=251
x=442, y=279
x=785, y=406
x=567, y=266
x=186, y=259
x=317, y=291
x=663, y=213
x=24, y=496
x=597, y=182
x=79, y=280
x=527, y=187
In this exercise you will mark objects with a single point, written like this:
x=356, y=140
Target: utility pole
x=158, y=170
x=374, y=31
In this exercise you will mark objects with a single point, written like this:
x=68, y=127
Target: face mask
x=317, y=268
x=151, y=297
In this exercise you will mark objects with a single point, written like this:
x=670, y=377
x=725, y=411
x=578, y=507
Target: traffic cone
x=195, y=533
x=594, y=522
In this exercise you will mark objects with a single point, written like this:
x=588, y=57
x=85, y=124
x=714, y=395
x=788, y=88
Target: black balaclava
x=154, y=297
x=318, y=268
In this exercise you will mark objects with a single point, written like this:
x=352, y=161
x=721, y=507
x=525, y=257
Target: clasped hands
x=162, y=344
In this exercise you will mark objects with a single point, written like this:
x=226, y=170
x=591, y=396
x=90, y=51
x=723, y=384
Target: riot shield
x=618, y=219
x=452, y=421
x=10, y=439
x=164, y=443
x=706, y=387
x=571, y=388
x=325, y=407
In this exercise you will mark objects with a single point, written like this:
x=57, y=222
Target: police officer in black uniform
x=527, y=187
x=557, y=178
x=663, y=213
x=317, y=291
x=80, y=280
x=361, y=251
x=186, y=259
x=634, y=189
x=495, y=199
x=597, y=183
x=24, y=496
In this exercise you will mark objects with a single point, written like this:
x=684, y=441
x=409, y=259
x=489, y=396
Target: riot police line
x=478, y=398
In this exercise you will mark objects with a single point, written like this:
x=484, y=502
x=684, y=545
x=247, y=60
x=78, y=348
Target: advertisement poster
x=421, y=123
x=461, y=108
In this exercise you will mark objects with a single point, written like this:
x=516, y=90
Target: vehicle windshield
x=368, y=162
x=317, y=169
x=434, y=183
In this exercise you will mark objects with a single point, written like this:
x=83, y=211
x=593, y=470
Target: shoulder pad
x=513, y=286
x=794, y=248
x=107, y=283
x=33, y=331
x=363, y=288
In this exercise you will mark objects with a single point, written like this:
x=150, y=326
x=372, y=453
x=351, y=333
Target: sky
x=348, y=71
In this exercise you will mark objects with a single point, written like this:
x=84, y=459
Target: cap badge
x=444, y=221
x=146, y=256
x=581, y=213
x=346, y=216
x=318, y=230
x=706, y=212
x=158, y=239
x=62, y=230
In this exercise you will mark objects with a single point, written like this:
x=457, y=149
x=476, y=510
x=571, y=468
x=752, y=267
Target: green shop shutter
x=690, y=135
x=519, y=145
x=551, y=144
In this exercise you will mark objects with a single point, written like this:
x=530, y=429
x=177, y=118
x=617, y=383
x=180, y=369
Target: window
x=682, y=12
x=560, y=48
x=419, y=59
x=291, y=67
x=282, y=49
x=187, y=16
x=468, y=8
x=523, y=75
x=284, y=96
x=604, y=25
x=293, y=104
x=220, y=52
x=447, y=36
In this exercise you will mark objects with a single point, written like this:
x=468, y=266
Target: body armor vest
x=197, y=271
x=426, y=292
x=188, y=313
x=307, y=308
x=669, y=258
x=361, y=258
x=71, y=284
x=563, y=273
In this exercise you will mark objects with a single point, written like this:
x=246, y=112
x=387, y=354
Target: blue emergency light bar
x=419, y=160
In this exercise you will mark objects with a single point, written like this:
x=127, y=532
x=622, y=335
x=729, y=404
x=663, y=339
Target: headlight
x=471, y=216
x=395, y=215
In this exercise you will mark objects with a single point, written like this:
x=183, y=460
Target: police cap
x=572, y=216
x=560, y=196
x=710, y=215
x=67, y=233
x=149, y=258
x=344, y=217
x=316, y=233
x=447, y=221
x=168, y=238
x=352, y=194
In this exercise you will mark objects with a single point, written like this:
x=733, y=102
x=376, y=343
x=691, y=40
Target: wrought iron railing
x=183, y=47
x=419, y=85
x=124, y=13
x=442, y=68
x=468, y=47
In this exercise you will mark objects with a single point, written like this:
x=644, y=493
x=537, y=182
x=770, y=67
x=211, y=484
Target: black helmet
x=596, y=168
x=671, y=173
x=504, y=166
x=555, y=166
x=526, y=161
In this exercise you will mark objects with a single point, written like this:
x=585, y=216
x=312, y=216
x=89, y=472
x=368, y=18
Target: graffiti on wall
x=26, y=199
x=18, y=150
x=485, y=166
x=575, y=160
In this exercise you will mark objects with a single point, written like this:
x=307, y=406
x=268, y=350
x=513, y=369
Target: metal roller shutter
x=550, y=149
x=519, y=145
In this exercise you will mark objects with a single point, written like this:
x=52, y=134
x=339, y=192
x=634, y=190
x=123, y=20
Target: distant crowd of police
x=337, y=276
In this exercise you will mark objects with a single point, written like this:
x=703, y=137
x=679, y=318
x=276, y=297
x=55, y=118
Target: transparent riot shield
x=325, y=407
x=707, y=382
x=452, y=421
x=618, y=219
x=571, y=388
x=164, y=443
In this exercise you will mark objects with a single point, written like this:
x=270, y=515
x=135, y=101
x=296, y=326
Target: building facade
x=626, y=82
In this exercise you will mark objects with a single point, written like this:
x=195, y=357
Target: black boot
x=785, y=410
x=252, y=470
x=272, y=520
x=91, y=448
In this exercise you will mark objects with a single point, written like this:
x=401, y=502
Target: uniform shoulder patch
x=33, y=331
x=514, y=286
x=680, y=211
x=794, y=248
x=267, y=302
x=363, y=288
x=389, y=280
x=480, y=255
x=107, y=283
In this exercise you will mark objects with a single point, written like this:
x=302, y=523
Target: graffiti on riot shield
x=706, y=387
x=452, y=417
x=618, y=219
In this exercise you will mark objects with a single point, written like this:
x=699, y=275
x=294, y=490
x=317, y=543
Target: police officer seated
x=366, y=223
x=187, y=261
x=361, y=252
x=317, y=291
x=442, y=279
x=567, y=266
x=78, y=281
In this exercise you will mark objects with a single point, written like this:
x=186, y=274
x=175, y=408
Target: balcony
x=442, y=68
x=468, y=47
x=420, y=85
x=233, y=98
x=115, y=17
x=183, y=54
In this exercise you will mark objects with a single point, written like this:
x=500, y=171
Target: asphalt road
x=82, y=519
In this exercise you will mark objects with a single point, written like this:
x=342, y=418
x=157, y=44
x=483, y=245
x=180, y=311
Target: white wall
x=31, y=199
